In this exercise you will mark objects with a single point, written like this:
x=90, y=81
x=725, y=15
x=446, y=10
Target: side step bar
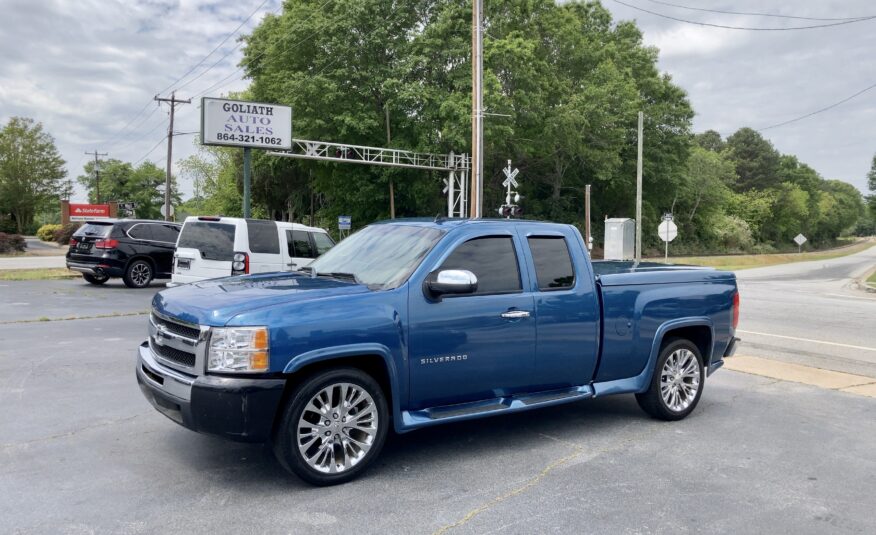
x=490, y=407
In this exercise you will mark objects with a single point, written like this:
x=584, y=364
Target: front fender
x=298, y=362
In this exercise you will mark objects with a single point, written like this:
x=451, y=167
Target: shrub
x=11, y=242
x=731, y=233
x=65, y=232
x=47, y=232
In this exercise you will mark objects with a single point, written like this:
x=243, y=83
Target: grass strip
x=737, y=262
x=37, y=274
x=71, y=318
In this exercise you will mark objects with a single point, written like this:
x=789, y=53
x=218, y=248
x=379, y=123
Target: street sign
x=238, y=123
x=345, y=222
x=81, y=212
x=800, y=239
x=509, y=175
x=127, y=205
x=667, y=230
x=165, y=215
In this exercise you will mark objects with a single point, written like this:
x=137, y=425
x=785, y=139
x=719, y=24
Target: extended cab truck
x=417, y=323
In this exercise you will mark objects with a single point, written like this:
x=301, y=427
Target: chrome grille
x=176, y=343
x=183, y=358
x=177, y=328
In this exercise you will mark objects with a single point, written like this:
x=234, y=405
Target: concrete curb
x=797, y=373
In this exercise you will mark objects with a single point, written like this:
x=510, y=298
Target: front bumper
x=238, y=409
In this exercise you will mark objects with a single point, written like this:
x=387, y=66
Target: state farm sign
x=81, y=212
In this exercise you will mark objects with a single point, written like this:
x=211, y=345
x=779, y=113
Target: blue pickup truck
x=413, y=323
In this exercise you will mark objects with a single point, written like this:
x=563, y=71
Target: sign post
x=345, y=222
x=667, y=230
x=239, y=123
x=800, y=239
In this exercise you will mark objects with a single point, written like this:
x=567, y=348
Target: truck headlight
x=238, y=349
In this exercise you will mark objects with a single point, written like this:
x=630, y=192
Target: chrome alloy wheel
x=337, y=428
x=140, y=274
x=680, y=380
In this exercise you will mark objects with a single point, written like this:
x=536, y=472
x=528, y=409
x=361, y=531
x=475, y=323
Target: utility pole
x=388, y=144
x=96, y=173
x=173, y=102
x=639, y=192
x=477, y=107
x=587, y=238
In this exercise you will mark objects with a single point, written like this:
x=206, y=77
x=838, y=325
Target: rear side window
x=322, y=241
x=299, y=244
x=165, y=233
x=553, y=264
x=93, y=229
x=492, y=260
x=141, y=231
x=263, y=237
x=215, y=241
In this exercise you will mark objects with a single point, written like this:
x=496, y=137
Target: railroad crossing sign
x=509, y=176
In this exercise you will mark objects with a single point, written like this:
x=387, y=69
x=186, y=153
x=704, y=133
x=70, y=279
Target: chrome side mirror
x=451, y=281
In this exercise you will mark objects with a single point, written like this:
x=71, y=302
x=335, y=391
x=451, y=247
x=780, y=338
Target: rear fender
x=639, y=383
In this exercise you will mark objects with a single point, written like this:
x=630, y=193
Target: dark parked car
x=136, y=250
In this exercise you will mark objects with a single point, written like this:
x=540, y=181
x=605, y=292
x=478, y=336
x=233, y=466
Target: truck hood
x=215, y=302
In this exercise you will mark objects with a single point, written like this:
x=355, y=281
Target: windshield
x=381, y=256
x=215, y=241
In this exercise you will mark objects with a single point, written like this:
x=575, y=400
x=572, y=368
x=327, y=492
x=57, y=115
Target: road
x=82, y=451
x=811, y=313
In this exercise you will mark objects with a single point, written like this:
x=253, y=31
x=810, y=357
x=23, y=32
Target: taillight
x=73, y=241
x=735, y=310
x=240, y=264
x=106, y=244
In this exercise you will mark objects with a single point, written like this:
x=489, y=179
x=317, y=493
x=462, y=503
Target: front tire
x=138, y=275
x=677, y=383
x=333, y=427
x=95, y=279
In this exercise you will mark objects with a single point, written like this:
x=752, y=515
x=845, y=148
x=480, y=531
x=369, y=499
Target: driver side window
x=493, y=261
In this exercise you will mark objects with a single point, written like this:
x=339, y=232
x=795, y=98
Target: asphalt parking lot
x=83, y=452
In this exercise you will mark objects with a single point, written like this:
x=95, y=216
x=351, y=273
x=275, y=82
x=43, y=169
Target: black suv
x=136, y=250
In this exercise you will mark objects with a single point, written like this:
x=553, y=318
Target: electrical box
x=620, y=239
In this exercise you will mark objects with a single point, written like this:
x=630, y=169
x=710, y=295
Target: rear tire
x=95, y=279
x=677, y=383
x=333, y=427
x=139, y=274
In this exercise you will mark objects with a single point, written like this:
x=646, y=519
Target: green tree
x=370, y=72
x=214, y=174
x=710, y=140
x=122, y=182
x=757, y=161
x=31, y=170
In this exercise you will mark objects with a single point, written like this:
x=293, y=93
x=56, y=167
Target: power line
x=756, y=14
x=221, y=83
x=816, y=112
x=192, y=69
x=150, y=151
x=747, y=28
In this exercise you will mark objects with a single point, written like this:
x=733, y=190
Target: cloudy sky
x=88, y=70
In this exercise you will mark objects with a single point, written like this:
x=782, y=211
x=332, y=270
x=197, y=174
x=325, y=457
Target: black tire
x=95, y=279
x=139, y=274
x=286, y=438
x=652, y=400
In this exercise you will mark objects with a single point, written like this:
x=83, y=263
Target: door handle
x=515, y=314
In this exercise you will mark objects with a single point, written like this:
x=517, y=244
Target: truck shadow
x=417, y=453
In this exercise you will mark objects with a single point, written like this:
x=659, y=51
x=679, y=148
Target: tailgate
x=205, y=249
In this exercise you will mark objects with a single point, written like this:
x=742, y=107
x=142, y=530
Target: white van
x=212, y=247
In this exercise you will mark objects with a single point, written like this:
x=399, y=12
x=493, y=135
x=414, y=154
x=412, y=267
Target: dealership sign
x=81, y=212
x=237, y=123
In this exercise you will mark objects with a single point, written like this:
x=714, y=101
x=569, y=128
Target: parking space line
x=862, y=348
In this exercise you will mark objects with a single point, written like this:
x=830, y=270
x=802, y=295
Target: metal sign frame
x=240, y=144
